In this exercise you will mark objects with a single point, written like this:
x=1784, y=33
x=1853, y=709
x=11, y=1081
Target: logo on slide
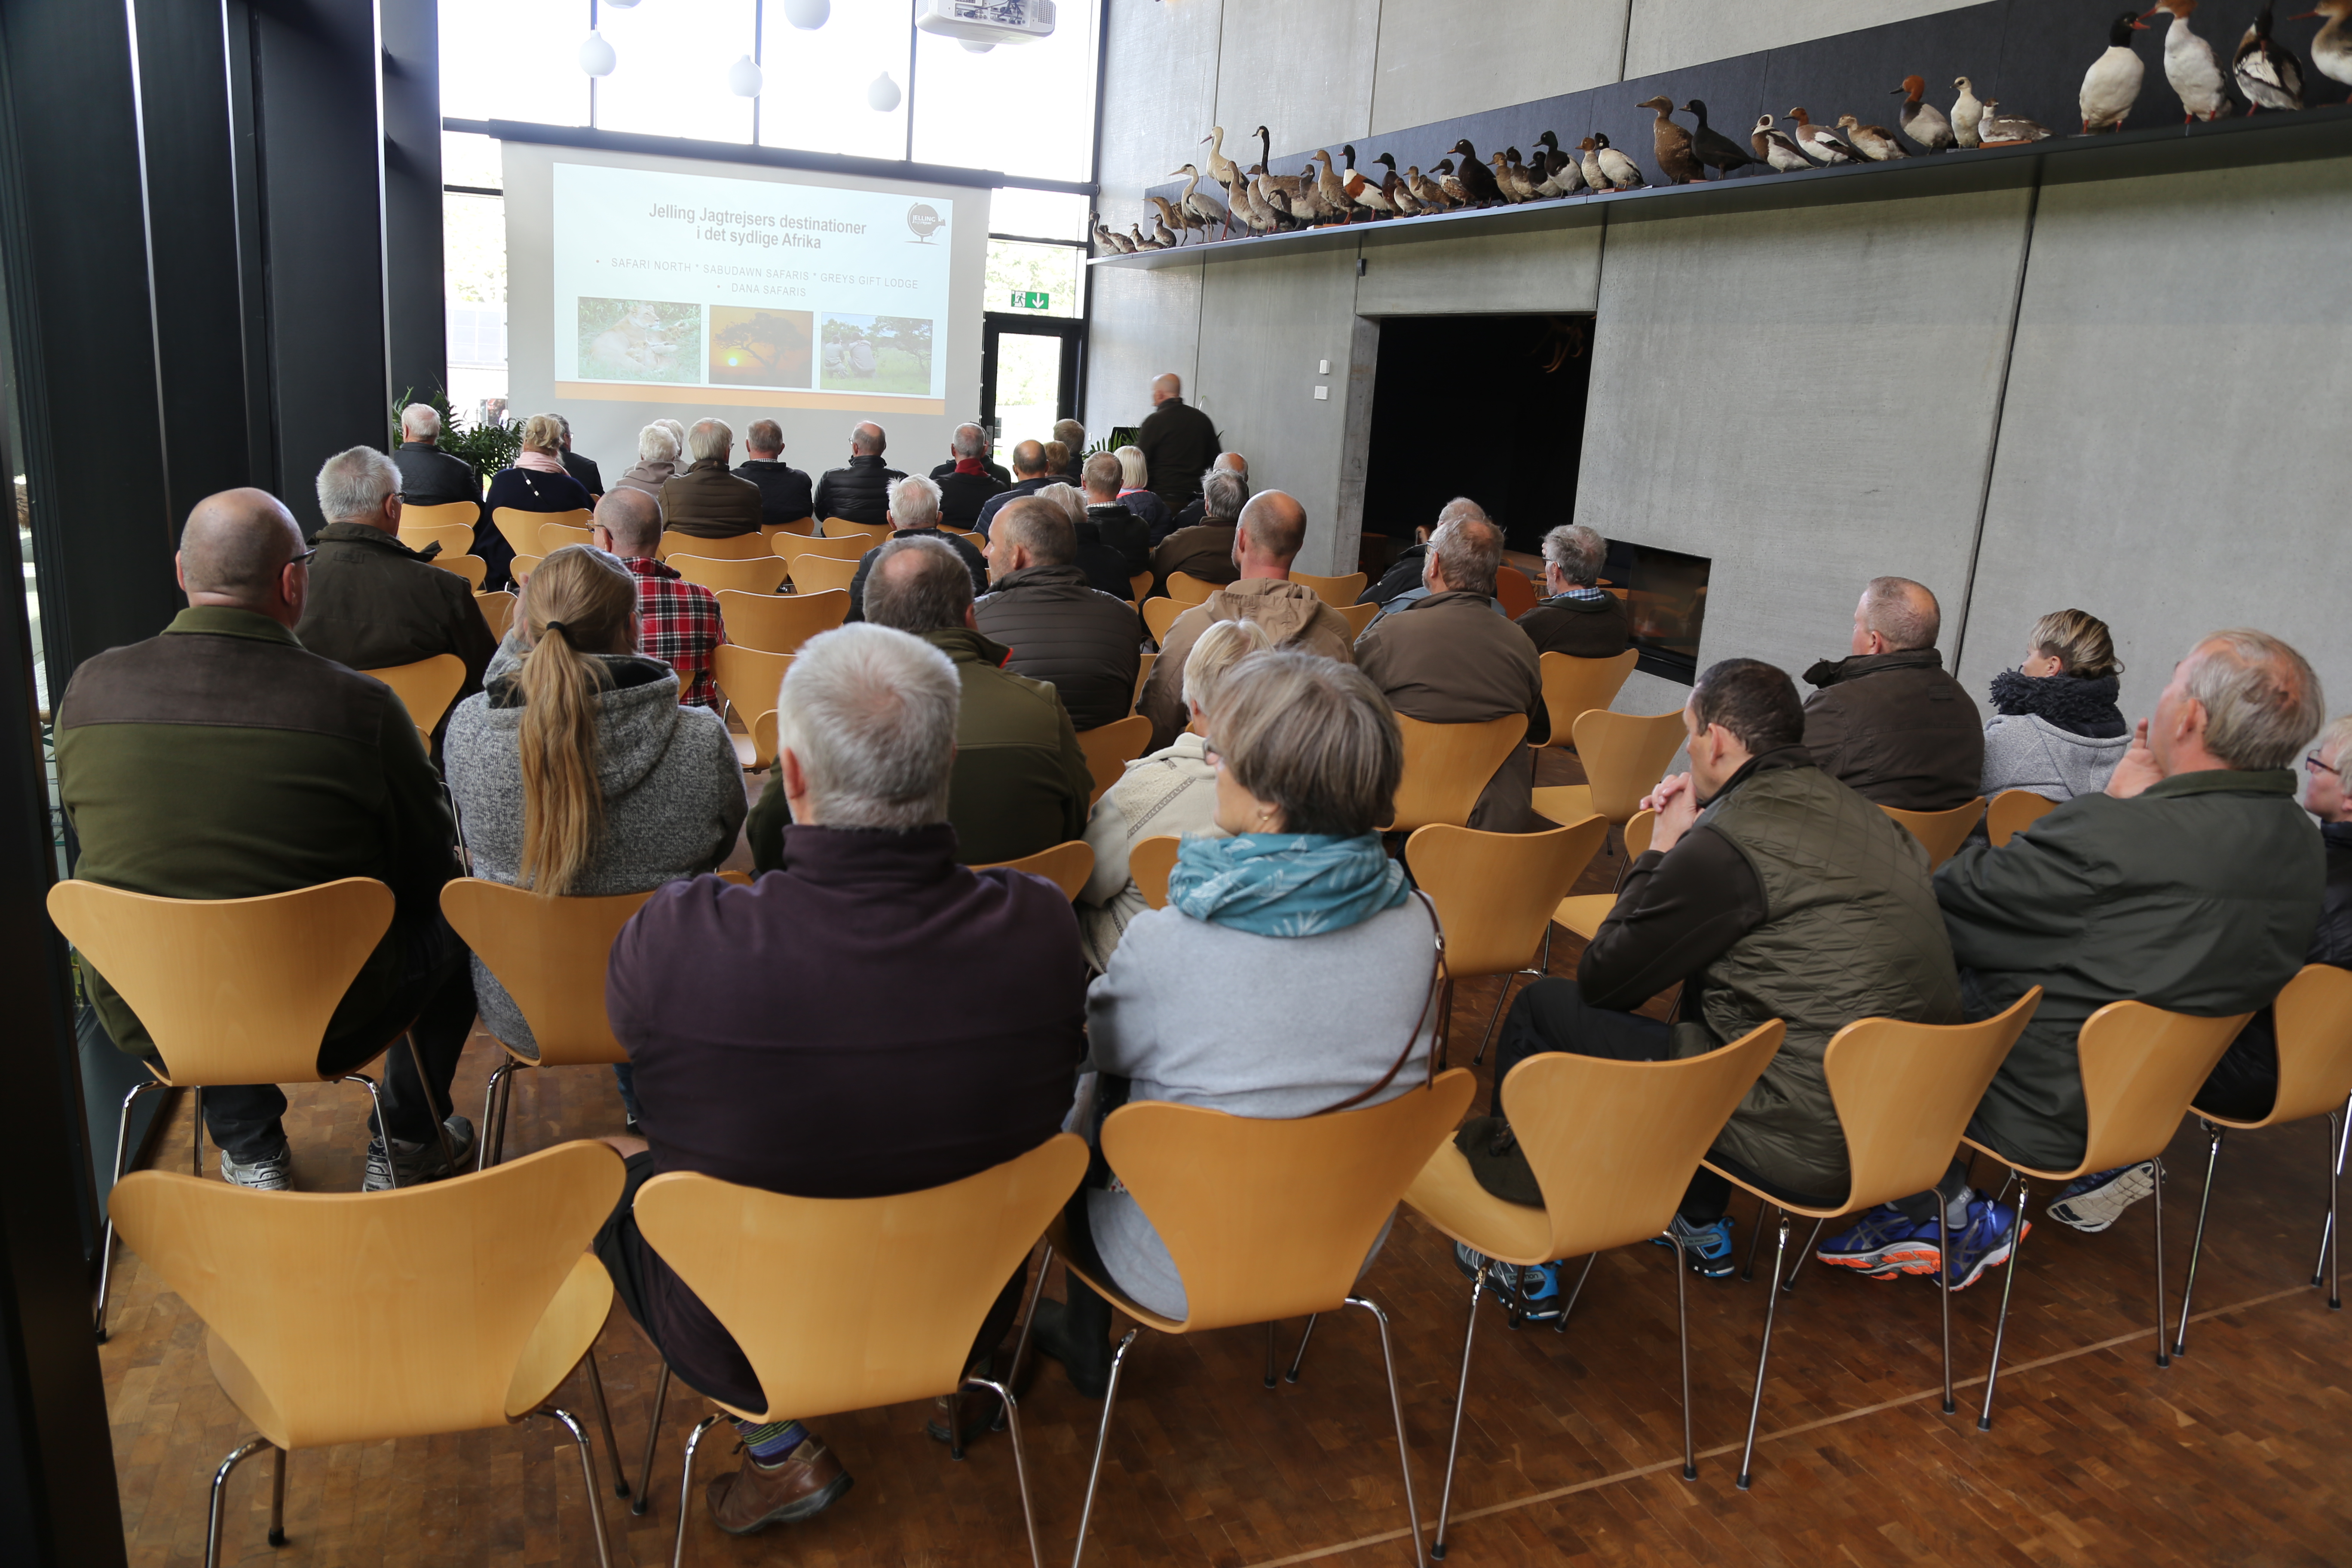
x=925, y=220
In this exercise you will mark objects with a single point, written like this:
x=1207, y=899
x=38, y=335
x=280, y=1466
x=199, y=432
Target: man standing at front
x=1177, y=442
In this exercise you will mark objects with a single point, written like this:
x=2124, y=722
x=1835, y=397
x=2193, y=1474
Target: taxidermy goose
x=1673, y=143
x=1427, y=191
x=1774, y=148
x=1110, y=244
x=1249, y=200
x=1563, y=172
x=2190, y=66
x=1713, y=147
x=1921, y=121
x=1967, y=114
x=2270, y=76
x=1999, y=130
x=1620, y=171
x=1293, y=188
x=1399, y=194
x=1200, y=211
x=1330, y=189
x=2331, y=51
x=2112, y=85
x=1363, y=191
x=1456, y=192
x=1875, y=143
x=1475, y=177
x=1820, y=144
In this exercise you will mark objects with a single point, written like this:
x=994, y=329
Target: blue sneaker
x=1992, y=1234
x=2094, y=1201
x=1709, y=1246
x=1883, y=1243
x=1535, y=1287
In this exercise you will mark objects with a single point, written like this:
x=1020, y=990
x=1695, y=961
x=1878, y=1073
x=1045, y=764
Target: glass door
x=1028, y=377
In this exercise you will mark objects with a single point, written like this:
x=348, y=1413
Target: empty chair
x=733, y=547
x=842, y=528
x=1066, y=866
x=1584, y=914
x=1159, y=615
x=2013, y=811
x=1358, y=616
x=524, y=566
x=521, y=528
x=749, y=678
x=498, y=612
x=756, y=574
x=425, y=688
x=1149, y=862
x=1941, y=833
x=1187, y=589
x=793, y=546
x=472, y=568
x=1625, y=755
x=823, y=575
x=1572, y=687
x=1495, y=894
x=453, y=532
x=1516, y=594
x=1447, y=766
x=554, y=536
x=1336, y=592
x=778, y=623
x=1111, y=747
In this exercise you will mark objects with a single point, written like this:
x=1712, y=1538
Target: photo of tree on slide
x=760, y=348
x=878, y=353
x=640, y=339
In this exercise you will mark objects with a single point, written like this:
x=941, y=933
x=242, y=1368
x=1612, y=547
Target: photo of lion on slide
x=640, y=339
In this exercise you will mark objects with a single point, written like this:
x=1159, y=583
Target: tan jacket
x=1290, y=613
x=1451, y=659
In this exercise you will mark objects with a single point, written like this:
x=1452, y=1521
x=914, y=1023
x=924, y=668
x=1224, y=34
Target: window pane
x=474, y=262
x=815, y=96
x=672, y=75
x=474, y=161
x=1028, y=386
x=1033, y=280
x=514, y=59
x=1047, y=214
x=1020, y=109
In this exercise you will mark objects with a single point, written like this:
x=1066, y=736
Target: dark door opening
x=1028, y=375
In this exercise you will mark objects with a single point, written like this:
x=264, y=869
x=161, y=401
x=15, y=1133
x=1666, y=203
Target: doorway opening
x=1028, y=375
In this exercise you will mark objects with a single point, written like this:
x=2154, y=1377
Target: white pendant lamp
x=808, y=16
x=882, y=93
x=596, y=56
x=744, y=78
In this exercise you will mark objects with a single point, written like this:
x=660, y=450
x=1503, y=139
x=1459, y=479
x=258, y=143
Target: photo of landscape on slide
x=878, y=353
x=763, y=348
x=640, y=339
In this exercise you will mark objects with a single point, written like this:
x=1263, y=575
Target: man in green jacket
x=223, y=760
x=1021, y=782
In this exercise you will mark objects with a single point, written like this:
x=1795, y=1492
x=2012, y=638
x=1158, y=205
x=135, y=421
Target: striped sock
x=769, y=1442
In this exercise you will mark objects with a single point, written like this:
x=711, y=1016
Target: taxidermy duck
x=1168, y=228
x=1617, y=169
x=1512, y=175
x=1475, y=177
x=1330, y=189
x=1363, y=191
x=1967, y=113
x=1875, y=143
x=2269, y=74
x=1714, y=147
x=1563, y=172
x=1293, y=188
x=1999, y=130
x=1135, y=231
x=1676, y=160
x=1249, y=200
x=1774, y=148
x=1589, y=161
x=1456, y=192
x=1108, y=243
x=1400, y=194
x=2112, y=85
x=1427, y=191
x=1921, y=121
x=2190, y=66
x=2331, y=51
x=1202, y=212
x=1819, y=142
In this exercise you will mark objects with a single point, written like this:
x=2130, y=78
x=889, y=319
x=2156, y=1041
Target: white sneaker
x=2093, y=1203
x=272, y=1173
x=419, y=1163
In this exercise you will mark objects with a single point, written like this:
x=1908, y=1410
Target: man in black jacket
x=985, y=456
x=1108, y=516
x=1577, y=619
x=1087, y=643
x=914, y=509
x=1031, y=473
x=1178, y=441
x=784, y=492
x=1889, y=720
x=1205, y=549
x=861, y=492
x=429, y=475
x=584, y=469
x=966, y=485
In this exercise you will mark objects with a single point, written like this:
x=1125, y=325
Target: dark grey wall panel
x=416, y=326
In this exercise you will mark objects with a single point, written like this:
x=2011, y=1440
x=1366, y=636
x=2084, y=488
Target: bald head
x=1896, y=615
x=1271, y=528
x=867, y=441
x=1232, y=463
x=235, y=552
x=631, y=519
x=1029, y=460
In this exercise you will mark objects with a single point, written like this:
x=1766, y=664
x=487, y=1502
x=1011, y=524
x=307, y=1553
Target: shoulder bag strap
x=1441, y=986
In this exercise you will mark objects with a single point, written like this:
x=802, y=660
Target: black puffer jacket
x=1086, y=643
x=860, y=492
x=1896, y=728
x=1404, y=574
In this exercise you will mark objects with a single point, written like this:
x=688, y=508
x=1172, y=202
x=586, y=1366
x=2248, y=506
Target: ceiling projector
x=980, y=24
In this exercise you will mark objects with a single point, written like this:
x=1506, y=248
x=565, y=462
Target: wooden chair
x=842, y=528
x=805, y=528
x=1446, y=767
x=1572, y=687
x=1143, y=673
x=455, y=535
x=554, y=536
x=778, y=623
x=793, y=546
x=1149, y=864
x=550, y=955
x=424, y=689
x=1941, y=833
x=1625, y=755
x=1264, y=1219
x=749, y=678
x=2314, y=1018
x=1187, y=589
x=2140, y=1066
x=524, y=566
x=762, y=575
x=824, y=574
x=358, y=1318
x=1496, y=893
x=855, y=1336
x=1584, y=912
x=1904, y=1094
x=472, y=568
x=1159, y=615
x=1358, y=616
x=1138, y=586
x=1612, y=1146
x=1336, y=592
x=1515, y=592
x=1066, y=866
x=498, y=612
x=2013, y=811
x=970, y=536
x=521, y=528
x=232, y=991
x=733, y=547
x=1111, y=747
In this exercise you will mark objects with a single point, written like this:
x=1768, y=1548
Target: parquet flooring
x=1571, y=1447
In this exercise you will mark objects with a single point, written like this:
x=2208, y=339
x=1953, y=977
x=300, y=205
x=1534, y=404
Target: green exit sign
x=1021, y=302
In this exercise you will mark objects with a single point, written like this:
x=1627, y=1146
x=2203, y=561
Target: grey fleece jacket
x=673, y=796
x=2025, y=751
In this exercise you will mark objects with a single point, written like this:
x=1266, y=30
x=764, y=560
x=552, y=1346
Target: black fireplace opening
x=1666, y=596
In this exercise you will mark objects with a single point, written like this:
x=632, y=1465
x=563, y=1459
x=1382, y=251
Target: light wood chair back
x=856, y=1337
x=970, y=536
x=1111, y=747
x=1066, y=866
x=1336, y=592
x=1447, y=766
x=550, y=955
x=231, y=990
x=524, y=566
x=1268, y=1219
x=1495, y=892
x=425, y=688
x=1187, y=589
x=824, y=574
x=2313, y=1016
x=1143, y=672
x=779, y=623
x=520, y=528
x=763, y=743
x=2013, y=811
x=1625, y=755
x=358, y=1317
x=455, y=535
x=1516, y=592
x=1148, y=865
x=472, y=568
x=554, y=536
x=1638, y=831
x=1584, y=914
x=733, y=547
x=793, y=546
x=1159, y=615
x=760, y=574
x=1941, y=833
x=802, y=528
x=1358, y=616
x=749, y=678
x=498, y=612
x=1573, y=687
x=1138, y=585
x=842, y=528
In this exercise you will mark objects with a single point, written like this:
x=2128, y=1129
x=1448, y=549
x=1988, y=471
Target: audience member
x=1159, y=522
x=1265, y=541
x=1113, y=521
x=584, y=469
x=223, y=760
x=1227, y=462
x=1082, y=643
x=429, y=475
x=678, y=621
x=1577, y=618
x=1889, y=720
x=1063, y=461
x=1177, y=441
x=1105, y=567
x=967, y=484
x=1291, y=974
x=707, y=501
x=537, y=483
x=1174, y=790
x=656, y=464
x=1204, y=550
x=914, y=509
x=1451, y=659
x=1402, y=580
x=861, y=492
x=2055, y=729
x=986, y=458
x=785, y=496
x=768, y=1027
x=1021, y=782
x=1030, y=475
x=374, y=602
x=1072, y=437
x=1770, y=890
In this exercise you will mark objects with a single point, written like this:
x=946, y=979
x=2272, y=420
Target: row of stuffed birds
x=2267, y=75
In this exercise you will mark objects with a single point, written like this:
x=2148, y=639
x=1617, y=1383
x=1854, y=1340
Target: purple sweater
x=870, y=1018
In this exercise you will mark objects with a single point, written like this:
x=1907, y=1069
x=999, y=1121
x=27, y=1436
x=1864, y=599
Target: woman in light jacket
x=2056, y=731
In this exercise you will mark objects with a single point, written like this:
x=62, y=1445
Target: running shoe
x=271, y=1172
x=1992, y=1234
x=419, y=1163
x=1884, y=1242
x=2094, y=1201
x=1534, y=1287
x=1709, y=1246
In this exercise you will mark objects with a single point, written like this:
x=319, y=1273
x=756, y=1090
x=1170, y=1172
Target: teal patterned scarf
x=1284, y=884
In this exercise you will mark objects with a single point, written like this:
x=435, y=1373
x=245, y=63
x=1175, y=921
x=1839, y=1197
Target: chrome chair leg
x=605, y=1419
x=587, y=1474
x=2163, y=1355
x=506, y=1100
x=1102, y=1440
x=643, y=1499
x=1763, y=1357
x=1461, y=1398
x=1009, y=1408
x=1944, y=1289
x=1764, y=1208
x=1790, y=1284
x=1682, y=1328
x=1396, y=1408
x=2339, y=1130
x=686, y=1488
x=220, y=1483
x=384, y=1128
x=489, y=1113
x=1541, y=971
x=278, y=1497
x=1020, y=1345
x=2008, y=1279
x=440, y=1125
x=2196, y=1247
x=1300, y=1360
x=1560, y=1324
x=2335, y=1224
x=196, y=1134
x=122, y=1163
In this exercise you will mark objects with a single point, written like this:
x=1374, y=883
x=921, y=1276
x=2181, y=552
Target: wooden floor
x=2241, y=1451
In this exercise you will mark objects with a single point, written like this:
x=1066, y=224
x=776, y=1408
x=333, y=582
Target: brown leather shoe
x=753, y=1497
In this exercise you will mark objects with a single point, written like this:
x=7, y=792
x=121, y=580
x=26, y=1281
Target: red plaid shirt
x=679, y=624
